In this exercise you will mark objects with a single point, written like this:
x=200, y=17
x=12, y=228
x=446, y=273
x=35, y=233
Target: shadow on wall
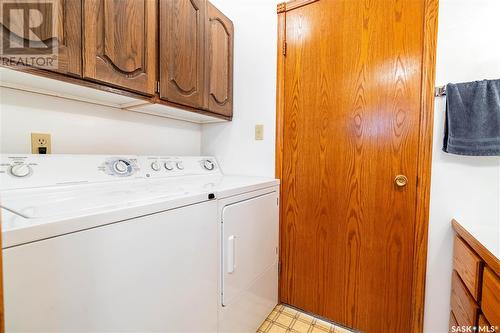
x=83, y=128
x=11, y=98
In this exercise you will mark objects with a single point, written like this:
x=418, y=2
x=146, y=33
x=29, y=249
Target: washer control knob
x=120, y=167
x=208, y=165
x=179, y=165
x=20, y=170
x=168, y=166
x=155, y=166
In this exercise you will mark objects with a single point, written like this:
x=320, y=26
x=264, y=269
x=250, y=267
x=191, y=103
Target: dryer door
x=250, y=250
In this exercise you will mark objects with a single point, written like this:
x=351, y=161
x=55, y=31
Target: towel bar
x=440, y=91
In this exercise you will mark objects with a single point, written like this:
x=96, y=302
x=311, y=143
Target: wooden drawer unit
x=475, y=290
x=463, y=305
x=468, y=266
x=490, y=302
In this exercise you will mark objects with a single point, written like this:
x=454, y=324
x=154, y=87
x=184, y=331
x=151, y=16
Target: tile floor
x=285, y=319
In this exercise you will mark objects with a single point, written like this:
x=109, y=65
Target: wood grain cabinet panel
x=220, y=35
x=468, y=266
x=490, y=302
x=120, y=43
x=182, y=51
x=64, y=34
x=463, y=305
x=131, y=45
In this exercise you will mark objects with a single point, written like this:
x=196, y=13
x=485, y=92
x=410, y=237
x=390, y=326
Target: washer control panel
x=24, y=171
x=179, y=166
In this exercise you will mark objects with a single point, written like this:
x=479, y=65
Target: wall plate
x=259, y=132
x=40, y=143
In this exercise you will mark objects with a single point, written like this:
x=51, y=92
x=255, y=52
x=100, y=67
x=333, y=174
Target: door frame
x=430, y=27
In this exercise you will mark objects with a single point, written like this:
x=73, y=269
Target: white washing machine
x=103, y=243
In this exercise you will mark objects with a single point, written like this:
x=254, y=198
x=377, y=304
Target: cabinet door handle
x=231, y=254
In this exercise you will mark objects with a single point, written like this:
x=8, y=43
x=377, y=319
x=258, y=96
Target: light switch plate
x=259, y=132
x=40, y=142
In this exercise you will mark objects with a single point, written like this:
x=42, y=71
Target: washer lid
x=92, y=198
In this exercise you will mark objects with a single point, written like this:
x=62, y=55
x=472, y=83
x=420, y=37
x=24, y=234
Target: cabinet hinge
x=279, y=267
x=158, y=86
x=284, y=47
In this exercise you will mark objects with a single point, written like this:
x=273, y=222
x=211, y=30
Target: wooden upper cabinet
x=182, y=51
x=220, y=37
x=186, y=45
x=64, y=34
x=120, y=43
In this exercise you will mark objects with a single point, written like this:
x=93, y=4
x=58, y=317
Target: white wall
x=82, y=128
x=255, y=24
x=463, y=187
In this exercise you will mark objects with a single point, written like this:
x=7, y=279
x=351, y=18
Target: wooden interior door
x=120, y=43
x=182, y=51
x=64, y=33
x=351, y=99
x=220, y=62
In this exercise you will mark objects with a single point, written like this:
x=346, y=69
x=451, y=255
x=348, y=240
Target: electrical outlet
x=40, y=143
x=259, y=132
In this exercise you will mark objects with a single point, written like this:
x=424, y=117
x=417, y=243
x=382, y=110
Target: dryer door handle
x=231, y=254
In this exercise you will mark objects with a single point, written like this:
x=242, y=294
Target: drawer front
x=468, y=266
x=463, y=305
x=490, y=302
x=453, y=323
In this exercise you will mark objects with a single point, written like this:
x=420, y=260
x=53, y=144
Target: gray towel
x=473, y=118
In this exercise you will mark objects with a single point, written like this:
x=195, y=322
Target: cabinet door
x=182, y=51
x=220, y=35
x=60, y=27
x=120, y=43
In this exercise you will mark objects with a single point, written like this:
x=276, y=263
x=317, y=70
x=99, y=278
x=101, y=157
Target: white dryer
x=249, y=252
x=134, y=243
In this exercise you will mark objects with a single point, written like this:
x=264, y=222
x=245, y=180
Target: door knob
x=401, y=180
